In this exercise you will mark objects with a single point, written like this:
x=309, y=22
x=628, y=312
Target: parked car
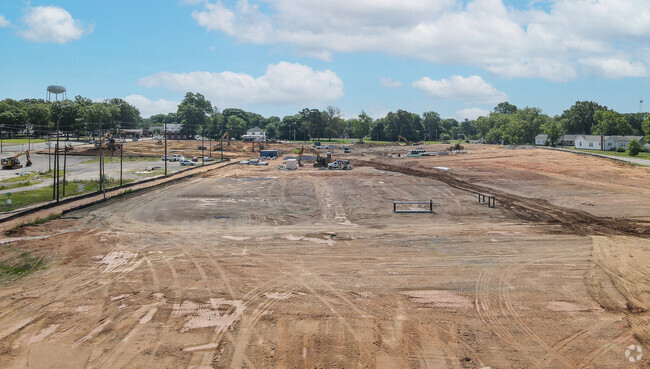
x=322, y=147
x=166, y=158
x=177, y=157
x=346, y=150
x=195, y=159
x=185, y=162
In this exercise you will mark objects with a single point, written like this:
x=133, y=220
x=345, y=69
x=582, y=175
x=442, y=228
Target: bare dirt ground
x=252, y=267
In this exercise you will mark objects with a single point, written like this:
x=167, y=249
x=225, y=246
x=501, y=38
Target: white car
x=166, y=158
x=177, y=157
x=185, y=162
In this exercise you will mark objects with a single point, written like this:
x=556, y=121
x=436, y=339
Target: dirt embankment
x=574, y=221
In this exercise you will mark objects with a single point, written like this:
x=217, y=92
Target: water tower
x=56, y=90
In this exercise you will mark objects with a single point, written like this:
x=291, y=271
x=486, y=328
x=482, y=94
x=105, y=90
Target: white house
x=565, y=140
x=604, y=143
x=254, y=134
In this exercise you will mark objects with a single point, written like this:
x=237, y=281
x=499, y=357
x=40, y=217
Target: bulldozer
x=456, y=147
x=14, y=163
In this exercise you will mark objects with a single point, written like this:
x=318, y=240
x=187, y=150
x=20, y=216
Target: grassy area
x=25, y=198
x=25, y=180
x=116, y=159
x=9, y=141
x=642, y=155
x=19, y=264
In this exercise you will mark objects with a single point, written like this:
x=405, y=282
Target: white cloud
x=52, y=24
x=614, y=67
x=530, y=43
x=472, y=90
x=149, y=107
x=390, y=83
x=283, y=83
x=471, y=113
x=4, y=22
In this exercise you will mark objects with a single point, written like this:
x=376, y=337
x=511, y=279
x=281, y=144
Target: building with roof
x=604, y=143
x=254, y=134
x=565, y=140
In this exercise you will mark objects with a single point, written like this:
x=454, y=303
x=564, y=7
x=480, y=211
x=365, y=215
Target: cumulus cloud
x=52, y=24
x=149, y=107
x=4, y=22
x=283, y=83
x=390, y=83
x=548, y=42
x=472, y=90
x=471, y=113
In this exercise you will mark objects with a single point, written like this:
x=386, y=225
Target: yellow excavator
x=321, y=161
x=400, y=139
x=220, y=147
x=14, y=163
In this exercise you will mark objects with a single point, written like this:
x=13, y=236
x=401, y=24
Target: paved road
x=638, y=161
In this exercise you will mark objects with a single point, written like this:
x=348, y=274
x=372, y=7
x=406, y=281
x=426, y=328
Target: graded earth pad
x=254, y=267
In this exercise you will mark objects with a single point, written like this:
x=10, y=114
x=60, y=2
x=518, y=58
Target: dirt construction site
x=260, y=267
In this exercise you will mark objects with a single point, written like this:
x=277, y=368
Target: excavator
x=321, y=161
x=14, y=163
x=220, y=147
x=401, y=138
x=109, y=142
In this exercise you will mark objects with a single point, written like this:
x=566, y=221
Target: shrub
x=634, y=148
x=620, y=149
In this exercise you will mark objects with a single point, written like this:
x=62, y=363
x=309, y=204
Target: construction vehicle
x=455, y=147
x=340, y=164
x=14, y=163
x=109, y=142
x=201, y=147
x=158, y=141
x=220, y=147
x=321, y=161
x=401, y=138
x=302, y=151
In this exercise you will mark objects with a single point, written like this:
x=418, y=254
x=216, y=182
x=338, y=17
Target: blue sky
x=275, y=57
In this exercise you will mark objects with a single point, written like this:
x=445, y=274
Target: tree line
x=506, y=124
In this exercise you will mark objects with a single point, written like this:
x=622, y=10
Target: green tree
x=13, y=116
x=289, y=125
x=38, y=116
x=431, y=125
x=505, y=108
x=610, y=123
x=97, y=116
x=193, y=113
x=646, y=129
x=334, y=124
x=579, y=119
x=377, y=130
x=361, y=126
x=236, y=126
x=634, y=148
x=271, y=130
x=554, y=130
x=313, y=123
x=128, y=116
x=65, y=113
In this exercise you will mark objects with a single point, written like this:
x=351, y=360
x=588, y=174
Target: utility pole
x=121, y=150
x=56, y=158
x=165, y=148
x=202, y=147
x=101, y=160
x=210, y=134
x=29, y=138
x=65, y=158
x=2, y=135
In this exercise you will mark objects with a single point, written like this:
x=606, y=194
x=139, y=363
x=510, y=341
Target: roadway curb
x=591, y=154
x=67, y=200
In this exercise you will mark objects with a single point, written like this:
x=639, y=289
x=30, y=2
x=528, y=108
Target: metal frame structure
x=491, y=200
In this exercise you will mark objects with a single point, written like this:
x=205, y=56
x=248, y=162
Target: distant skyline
x=275, y=57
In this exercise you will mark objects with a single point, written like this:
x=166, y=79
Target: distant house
x=254, y=134
x=173, y=131
x=604, y=143
x=565, y=140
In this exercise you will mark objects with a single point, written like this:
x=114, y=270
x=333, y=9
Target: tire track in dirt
x=573, y=221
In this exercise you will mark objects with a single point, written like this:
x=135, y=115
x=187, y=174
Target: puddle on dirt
x=218, y=313
x=440, y=298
